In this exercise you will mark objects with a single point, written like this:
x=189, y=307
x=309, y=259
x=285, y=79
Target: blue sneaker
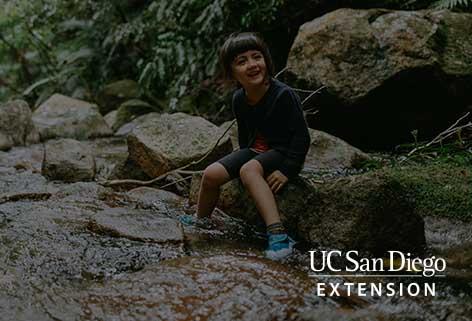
x=193, y=220
x=187, y=219
x=280, y=246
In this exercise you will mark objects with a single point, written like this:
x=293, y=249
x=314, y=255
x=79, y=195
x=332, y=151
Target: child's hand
x=276, y=181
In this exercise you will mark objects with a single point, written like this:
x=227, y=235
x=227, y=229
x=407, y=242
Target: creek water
x=68, y=254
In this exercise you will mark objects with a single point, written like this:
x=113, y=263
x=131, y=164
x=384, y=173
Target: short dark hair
x=238, y=43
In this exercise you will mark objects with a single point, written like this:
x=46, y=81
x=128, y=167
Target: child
x=272, y=133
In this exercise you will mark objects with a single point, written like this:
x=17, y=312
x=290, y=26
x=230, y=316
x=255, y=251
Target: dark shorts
x=270, y=161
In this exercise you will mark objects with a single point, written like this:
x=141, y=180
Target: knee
x=212, y=176
x=250, y=170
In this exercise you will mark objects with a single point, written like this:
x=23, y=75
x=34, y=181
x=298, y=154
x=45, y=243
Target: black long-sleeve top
x=278, y=117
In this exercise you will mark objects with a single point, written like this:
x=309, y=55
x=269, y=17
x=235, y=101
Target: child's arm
x=243, y=133
x=299, y=142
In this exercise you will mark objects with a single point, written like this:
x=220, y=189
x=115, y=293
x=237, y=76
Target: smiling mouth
x=254, y=74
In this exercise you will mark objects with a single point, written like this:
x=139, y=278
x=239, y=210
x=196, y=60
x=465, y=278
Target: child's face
x=249, y=68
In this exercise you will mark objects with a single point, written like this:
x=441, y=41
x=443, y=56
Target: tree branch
x=180, y=170
x=441, y=136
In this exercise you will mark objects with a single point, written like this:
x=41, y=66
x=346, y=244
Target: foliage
x=48, y=49
x=170, y=46
x=451, y=4
x=422, y=4
x=76, y=47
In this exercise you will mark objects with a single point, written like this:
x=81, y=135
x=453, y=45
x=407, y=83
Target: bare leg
x=252, y=176
x=214, y=176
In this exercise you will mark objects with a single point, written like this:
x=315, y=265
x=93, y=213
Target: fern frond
x=451, y=4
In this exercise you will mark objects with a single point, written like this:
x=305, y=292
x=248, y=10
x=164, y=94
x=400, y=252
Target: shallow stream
x=83, y=252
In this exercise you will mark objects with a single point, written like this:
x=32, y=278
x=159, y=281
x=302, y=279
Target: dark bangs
x=238, y=43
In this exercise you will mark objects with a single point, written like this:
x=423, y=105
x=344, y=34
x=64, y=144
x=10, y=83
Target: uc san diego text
x=321, y=261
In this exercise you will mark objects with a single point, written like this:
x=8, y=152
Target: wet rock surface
x=137, y=225
x=23, y=183
x=81, y=251
x=24, y=158
x=220, y=287
x=149, y=197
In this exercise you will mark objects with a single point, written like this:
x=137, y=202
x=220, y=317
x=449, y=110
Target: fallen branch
x=312, y=113
x=177, y=181
x=143, y=183
x=441, y=136
x=313, y=93
x=180, y=170
x=280, y=72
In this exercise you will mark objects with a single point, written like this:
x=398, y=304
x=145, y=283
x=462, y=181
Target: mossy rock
x=369, y=212
x=440, y=189
x=114, y=94
x=129, y=110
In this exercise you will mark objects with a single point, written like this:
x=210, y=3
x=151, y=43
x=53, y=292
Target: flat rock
x=138, y=225
x=149, y=196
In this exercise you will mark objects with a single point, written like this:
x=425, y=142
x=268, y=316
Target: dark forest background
x=168, y=46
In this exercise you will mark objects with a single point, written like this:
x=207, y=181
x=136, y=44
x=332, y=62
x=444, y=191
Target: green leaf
x=37, y=84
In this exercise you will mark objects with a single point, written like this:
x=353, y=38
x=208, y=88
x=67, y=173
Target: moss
x=438, y=189
x=131, y=109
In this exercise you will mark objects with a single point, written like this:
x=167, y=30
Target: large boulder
x=328, y=152
x=163, y=142
x=68, y=160
x=16, y=126
x=232, y=132
x=370, y=212
x=62, y=116
x=386, y=72
x=127, y=128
